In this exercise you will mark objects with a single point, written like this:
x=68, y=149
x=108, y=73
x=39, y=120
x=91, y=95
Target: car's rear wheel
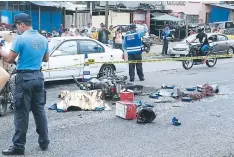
x=106, y=70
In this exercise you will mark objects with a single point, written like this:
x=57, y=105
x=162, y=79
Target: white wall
x=231, y=15
x=114, y=18
x=82, y=20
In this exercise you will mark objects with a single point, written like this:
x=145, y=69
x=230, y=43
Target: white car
x=67, y=56
x=224, y=45
x=70, y=51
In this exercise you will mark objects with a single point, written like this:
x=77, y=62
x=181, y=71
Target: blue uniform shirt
x=138, y=42
x=166, y=32
x=31, y=48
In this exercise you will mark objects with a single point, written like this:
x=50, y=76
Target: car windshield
x=229, y=25
x=190, y=38
x=53, y=44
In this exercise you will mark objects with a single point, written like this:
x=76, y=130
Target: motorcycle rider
x=203, y=39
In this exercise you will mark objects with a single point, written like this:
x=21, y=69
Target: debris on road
x=145, y=115
x=216, y=115
x=80, y=100
x=166, y=93
x=126, y=110
x=175, y=121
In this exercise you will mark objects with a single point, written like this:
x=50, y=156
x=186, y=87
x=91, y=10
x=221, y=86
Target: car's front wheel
x=106, y=70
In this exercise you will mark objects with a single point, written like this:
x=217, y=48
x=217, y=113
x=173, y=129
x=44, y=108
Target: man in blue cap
x=29, y=94
x=133, y=46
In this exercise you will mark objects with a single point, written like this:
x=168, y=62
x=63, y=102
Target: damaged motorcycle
x=110, y=86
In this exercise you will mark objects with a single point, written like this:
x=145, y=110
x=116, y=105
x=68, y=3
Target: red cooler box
x=126, y=95
x=126, y=110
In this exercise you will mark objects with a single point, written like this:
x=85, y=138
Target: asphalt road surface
x=102, y=134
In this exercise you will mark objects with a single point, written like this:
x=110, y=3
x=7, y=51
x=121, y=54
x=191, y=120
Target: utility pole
x=186, y=26
x=91, y=12
x=76, y=18
x=106, y=14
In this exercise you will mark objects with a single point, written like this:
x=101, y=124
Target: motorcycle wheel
x=212, y=61
x=3, y=107
x=186, y=63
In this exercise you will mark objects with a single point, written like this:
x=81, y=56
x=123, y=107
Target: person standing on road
x=103, y=34
x=165, y=35
x=54, y=33
x=118, y=39
x=133, y=46
x=111, y=36
x=61, y=30
x=72, y=30
x=29, y=95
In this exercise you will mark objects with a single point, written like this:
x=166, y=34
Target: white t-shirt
x=72, y=31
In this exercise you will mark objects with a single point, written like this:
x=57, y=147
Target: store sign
x=176, y=3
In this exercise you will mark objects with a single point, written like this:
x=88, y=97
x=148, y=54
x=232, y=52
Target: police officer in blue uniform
x=29, y=94
x=165, y=35
x=132, y=44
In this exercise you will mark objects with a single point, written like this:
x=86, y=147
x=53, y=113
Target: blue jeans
x=204, y=49
x=110, y=42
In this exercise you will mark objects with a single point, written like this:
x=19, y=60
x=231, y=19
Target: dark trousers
x=29, y=95
x=165, y=47
x=118, y=46
x=139, y=69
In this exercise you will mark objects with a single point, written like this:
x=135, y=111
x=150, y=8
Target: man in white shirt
x=72, y=30
x=89, y=28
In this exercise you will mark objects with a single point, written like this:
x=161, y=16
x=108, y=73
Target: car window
x=213, y=38
x=89, y=46
x=222, y=38
x=66, y=48
x=53, y=44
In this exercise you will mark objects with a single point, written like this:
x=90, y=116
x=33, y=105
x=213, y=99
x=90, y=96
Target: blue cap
x=133, y=26
x=22, y=17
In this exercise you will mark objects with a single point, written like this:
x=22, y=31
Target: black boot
x=13, y=151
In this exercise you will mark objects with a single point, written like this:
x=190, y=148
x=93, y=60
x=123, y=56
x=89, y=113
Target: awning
x=71, y=6
x=46, y=3
x=164, y=17
x=227, y=6
x=66, y=5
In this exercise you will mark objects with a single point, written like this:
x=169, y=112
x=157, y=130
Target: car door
x=95, y=51
x=223, y=44
x=63, y=59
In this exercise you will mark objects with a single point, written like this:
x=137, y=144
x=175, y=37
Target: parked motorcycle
x=6, y=94
x=146, y=41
